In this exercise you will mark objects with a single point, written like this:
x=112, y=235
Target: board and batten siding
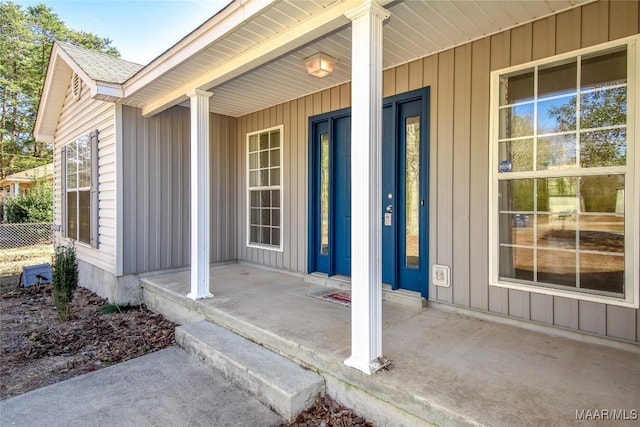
x=460, y=169
x=294, y=116
x=78, y=118
x=459, y=164
x=156, y=189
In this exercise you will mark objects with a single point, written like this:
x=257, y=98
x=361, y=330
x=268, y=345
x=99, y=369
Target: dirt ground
x=37, y=349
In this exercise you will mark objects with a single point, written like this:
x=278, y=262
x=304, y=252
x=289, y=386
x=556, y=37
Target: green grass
x=115, y=308
x=13, y=259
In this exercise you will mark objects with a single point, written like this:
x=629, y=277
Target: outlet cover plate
x=440, y=275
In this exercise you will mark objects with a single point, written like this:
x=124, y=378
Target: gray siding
x=294, y=116
x=459, y=162
x=156, y=189
x=460, y=169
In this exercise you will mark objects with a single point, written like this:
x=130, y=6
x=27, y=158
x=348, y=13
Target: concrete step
x=370, y=396
x=276, y=381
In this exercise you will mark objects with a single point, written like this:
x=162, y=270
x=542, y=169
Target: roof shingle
x=100, y=66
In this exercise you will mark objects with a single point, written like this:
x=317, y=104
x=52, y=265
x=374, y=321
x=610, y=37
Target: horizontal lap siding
x=156, y=189
x=78, y=118
x=294, y=116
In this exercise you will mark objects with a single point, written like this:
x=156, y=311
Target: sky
x=140, y=29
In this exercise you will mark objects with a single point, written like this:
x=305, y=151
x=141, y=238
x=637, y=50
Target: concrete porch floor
x=450, y=368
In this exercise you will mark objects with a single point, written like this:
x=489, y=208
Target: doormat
x=334, y=295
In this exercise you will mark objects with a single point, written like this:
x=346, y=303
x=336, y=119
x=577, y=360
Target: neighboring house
x=481, y=154
x=14, y=184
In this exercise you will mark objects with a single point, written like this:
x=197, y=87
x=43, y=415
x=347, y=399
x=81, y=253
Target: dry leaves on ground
x=327, y=412
x=37, y=349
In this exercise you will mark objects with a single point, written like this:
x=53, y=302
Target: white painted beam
x=329, y=19
x=366, y=186
x=200, y=239
x=218, y=27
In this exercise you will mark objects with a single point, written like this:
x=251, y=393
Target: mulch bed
x=37, y=349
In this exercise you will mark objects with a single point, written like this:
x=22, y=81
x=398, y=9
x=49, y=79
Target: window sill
x=629, y=302
x=264, y=247
x=77, y=243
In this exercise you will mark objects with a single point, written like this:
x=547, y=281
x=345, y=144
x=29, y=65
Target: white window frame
x=77, y=189
x=278, y=248
x=92, y=138
x=632, y=181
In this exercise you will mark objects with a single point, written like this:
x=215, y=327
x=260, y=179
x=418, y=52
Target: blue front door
x=404, y=192
x=342, y=192
x=330, y=187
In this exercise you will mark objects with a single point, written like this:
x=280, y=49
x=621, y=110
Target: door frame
x=395, y=101
x=313, y=184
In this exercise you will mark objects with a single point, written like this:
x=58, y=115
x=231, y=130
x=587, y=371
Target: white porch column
x=200, y=244
x=366, y=191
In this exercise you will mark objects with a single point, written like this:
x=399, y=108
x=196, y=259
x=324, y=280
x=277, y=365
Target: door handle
x=389, y=208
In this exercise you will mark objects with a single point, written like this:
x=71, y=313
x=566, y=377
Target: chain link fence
x=26, y=234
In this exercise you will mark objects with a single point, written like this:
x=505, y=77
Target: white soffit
x=270, y=19
x=416, y=29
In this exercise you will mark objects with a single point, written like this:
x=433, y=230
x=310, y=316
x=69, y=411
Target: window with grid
x=78, y=189
x=264, y=159
x=563, y=175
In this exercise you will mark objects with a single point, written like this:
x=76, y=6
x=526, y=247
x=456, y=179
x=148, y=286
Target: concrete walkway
x=166, y=388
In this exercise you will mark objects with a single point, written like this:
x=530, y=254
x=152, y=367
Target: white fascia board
x=51, y=85
x=108, y=91
x=92, y=84
x=325, y=21
x=119, y=134
x=56, y=83
x=216, y=28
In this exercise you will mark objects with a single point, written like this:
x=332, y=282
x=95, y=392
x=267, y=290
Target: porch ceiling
x=415, y=29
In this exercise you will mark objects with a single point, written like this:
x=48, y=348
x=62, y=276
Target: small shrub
x=32, y=205
x=65, y=279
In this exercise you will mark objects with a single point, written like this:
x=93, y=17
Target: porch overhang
x=326, y=21
x=265, y=68
x=251, y=53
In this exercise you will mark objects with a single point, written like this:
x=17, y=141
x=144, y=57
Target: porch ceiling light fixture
x=319, y=65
